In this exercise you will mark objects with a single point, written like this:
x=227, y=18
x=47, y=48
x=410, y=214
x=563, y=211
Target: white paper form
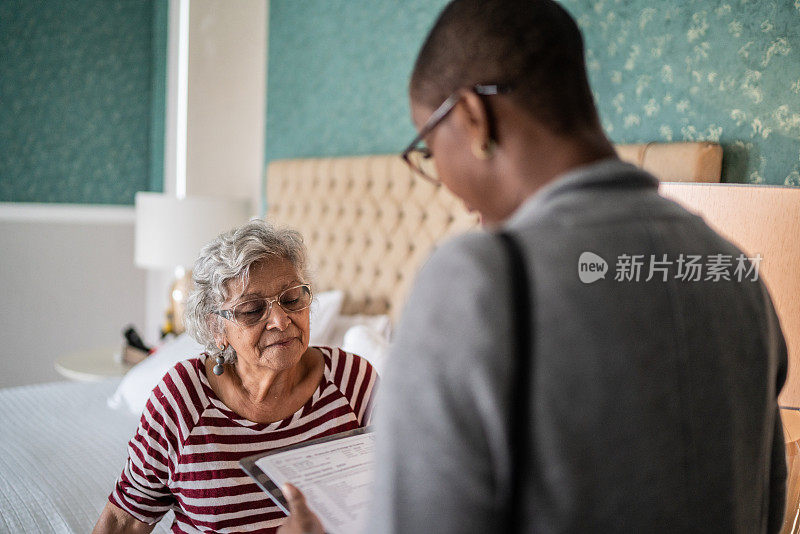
x=335, y=477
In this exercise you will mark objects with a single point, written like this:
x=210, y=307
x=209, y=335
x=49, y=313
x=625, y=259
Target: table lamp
x=764, y=220
x=170, y=233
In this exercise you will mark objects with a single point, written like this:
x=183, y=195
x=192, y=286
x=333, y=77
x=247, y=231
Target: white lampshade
x=170, y=232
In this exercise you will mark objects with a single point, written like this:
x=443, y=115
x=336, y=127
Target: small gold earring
x=482, y=150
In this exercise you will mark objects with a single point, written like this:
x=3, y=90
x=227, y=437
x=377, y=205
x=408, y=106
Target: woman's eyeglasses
x=253, y=311
x=418, y=156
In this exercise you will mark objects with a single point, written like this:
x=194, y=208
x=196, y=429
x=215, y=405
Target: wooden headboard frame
x=369, y=223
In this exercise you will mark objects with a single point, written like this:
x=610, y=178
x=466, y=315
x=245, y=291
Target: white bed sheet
x=61, y=449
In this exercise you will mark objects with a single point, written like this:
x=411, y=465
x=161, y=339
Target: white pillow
x=367, y=343
x=381, y=325
x=325, y=309
x=135, y=387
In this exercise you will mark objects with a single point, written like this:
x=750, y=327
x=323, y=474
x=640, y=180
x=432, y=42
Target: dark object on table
x=134, y=340
x=134, y=350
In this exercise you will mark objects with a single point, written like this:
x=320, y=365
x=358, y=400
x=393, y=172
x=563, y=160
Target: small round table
x=91, y=365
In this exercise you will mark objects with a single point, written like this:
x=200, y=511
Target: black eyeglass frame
x=437, y=117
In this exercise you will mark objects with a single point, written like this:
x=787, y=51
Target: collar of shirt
x=610, y=172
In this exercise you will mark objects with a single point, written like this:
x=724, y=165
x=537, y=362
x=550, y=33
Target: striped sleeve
x=142, y=488
x=358, y=381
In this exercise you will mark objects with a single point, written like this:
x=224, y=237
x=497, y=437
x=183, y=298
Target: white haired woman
x=258, y=387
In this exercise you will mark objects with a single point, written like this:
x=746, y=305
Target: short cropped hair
x=533, y=45
x=228, y=259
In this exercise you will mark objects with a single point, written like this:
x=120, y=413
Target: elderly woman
x=258, y=387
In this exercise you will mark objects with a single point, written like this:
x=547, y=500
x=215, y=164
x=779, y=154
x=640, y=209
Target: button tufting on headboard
x=369, y=223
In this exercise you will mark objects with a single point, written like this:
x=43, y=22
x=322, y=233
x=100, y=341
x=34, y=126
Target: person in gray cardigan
x=657, y=356
x=653, y=393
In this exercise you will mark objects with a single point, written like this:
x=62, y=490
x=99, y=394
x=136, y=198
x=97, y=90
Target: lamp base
x=176, y=305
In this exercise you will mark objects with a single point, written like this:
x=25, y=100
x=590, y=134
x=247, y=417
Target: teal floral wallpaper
x=337, y=75
x=81, y=99
x=686, y=70
x=673, y=70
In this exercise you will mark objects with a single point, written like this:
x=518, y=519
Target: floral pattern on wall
x=675, y=70
x=338, y=75
x=692, y=70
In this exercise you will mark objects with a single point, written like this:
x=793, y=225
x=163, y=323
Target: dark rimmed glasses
x=418, y=156
x=253, y=311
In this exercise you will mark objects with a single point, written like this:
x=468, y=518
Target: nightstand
x=91, y=365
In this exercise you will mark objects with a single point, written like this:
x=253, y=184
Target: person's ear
x=475, y=117
x=220, y=339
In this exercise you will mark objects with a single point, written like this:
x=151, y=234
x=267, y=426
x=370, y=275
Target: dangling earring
x=219, y=368
x=482, y=150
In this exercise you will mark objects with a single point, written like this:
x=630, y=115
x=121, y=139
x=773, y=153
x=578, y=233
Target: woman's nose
x=277, y=318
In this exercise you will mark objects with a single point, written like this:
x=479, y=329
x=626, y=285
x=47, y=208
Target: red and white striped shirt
x=185, y=454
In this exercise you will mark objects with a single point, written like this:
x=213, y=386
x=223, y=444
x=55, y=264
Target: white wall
x=67, y=283
x=226, y=98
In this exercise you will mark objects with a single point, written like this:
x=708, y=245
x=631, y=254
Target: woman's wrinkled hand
x=301, y=519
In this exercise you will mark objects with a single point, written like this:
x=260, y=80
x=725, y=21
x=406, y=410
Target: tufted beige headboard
x=369, y=223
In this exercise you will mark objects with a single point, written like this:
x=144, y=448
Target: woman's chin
x=280, y=356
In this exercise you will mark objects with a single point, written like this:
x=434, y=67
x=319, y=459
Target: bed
x=368, y=223
x=60, y=448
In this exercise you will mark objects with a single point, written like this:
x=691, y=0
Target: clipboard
x=263, y=480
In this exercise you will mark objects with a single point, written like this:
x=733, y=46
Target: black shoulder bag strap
x=520, y=420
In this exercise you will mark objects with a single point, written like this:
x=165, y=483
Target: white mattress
x=61, y=449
